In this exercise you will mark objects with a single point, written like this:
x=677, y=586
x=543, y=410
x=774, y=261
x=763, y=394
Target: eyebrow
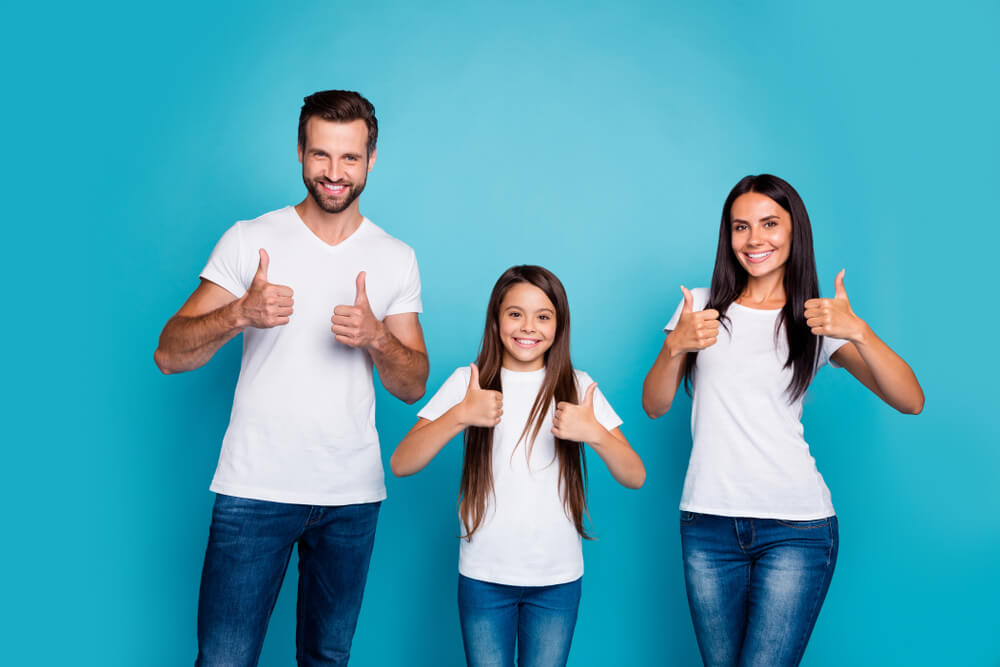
x=540, y=310
x=768, y=217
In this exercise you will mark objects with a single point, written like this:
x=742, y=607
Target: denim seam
x=816, y=599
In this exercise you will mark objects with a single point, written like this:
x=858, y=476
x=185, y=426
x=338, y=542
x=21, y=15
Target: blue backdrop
x=598, y=140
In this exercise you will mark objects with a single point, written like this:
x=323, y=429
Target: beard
x=331, y=203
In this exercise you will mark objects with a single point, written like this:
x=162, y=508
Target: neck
x=766, y=290
x=331, y=228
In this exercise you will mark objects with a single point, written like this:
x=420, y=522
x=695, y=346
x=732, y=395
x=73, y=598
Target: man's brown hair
x=341, y=106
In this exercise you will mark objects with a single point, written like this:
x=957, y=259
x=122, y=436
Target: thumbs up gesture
x=480, y=407
x=356, y=325
x=266, y=305
x=834, y=317
x=695, y=330
x=577, y=422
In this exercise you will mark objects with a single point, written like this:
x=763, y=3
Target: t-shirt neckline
x=301, y=224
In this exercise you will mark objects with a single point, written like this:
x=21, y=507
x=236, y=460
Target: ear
x=298, y=149
x=371, y=160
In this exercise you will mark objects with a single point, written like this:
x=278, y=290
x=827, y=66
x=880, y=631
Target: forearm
x=423, y=443
x=894, y=377
x=187, y=343
x=662, y=381
x=403, y=371
x=622, y=461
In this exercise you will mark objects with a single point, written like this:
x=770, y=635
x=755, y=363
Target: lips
x=333, y=189
x=527, y=343
x=758, y=257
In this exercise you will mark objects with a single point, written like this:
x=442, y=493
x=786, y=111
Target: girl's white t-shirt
x=749, y=457
x=526, y=538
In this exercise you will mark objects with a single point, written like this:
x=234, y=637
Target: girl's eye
x=543, y=317
x=514, y=314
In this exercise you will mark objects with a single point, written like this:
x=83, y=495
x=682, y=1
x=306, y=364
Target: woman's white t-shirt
x=749, y=457
x=526, y=537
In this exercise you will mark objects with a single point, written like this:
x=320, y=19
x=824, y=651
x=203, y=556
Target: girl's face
x=761, y=234
x=527, y=327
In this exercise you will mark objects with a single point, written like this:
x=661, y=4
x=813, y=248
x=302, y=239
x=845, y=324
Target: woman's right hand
x=480, y=407
x=695, y=330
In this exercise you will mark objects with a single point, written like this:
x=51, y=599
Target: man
x=320, y=294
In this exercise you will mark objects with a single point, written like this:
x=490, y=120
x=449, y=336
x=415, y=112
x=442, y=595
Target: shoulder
x=264, y=224
x=384, y=242
x=583, y=379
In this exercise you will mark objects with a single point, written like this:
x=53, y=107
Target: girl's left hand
x=834, y=317
x=577, y=422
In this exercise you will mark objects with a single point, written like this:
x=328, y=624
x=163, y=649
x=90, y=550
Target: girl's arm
x=578, y=423
x=694, y=331
x=480, y=407
x=865, y=356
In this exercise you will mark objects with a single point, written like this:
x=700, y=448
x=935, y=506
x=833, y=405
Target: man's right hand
x=695, y=330
x=480, y=407
x=265, y=305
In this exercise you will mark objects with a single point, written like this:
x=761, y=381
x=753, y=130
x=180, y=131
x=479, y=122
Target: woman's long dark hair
x=729, y=279
x=559, y=385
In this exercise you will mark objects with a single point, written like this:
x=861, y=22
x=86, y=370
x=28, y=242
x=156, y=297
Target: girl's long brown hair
x=559, y=385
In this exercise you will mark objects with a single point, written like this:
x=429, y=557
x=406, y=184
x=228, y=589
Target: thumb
x=688, y=300
x=361, y=298
x=840, y=293
x=588, y=398
x=474, y=379
x=262, y=267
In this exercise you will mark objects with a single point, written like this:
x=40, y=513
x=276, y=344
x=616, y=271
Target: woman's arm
x=694, y=331
x=480, y=407
x=865, y=356
x=578, y=423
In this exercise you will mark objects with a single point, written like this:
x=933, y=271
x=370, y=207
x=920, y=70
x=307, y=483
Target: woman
x=758, y=531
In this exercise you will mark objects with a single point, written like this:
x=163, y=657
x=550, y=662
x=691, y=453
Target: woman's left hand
x=577, y=422
x=834, y=317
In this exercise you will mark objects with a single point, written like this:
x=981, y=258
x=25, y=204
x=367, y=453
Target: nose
x=527, y=326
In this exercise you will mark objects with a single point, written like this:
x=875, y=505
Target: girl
x=758, y=531
x=522, y=493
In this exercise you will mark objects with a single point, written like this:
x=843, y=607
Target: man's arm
x=212, y=316
x=395, y=344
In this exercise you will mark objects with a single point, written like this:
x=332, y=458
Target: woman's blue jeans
x=538, y=619
x=755, y=586
x=249, y=545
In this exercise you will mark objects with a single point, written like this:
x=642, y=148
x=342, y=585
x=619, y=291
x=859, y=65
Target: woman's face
x=761, y=234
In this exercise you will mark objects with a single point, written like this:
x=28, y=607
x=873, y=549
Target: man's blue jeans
x=539, y=619
x=755, y=586
x=249, y=545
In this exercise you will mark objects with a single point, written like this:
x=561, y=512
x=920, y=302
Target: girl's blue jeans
x=536, y=620
x=755, y=586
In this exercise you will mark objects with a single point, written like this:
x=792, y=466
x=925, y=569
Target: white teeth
x=525, y=341
x=758, y=255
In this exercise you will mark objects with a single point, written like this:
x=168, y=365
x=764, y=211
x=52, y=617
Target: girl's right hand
x=480, y=407
x=695, y=330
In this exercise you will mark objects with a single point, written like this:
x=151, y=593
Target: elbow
x=412, y=395
x=638, y=480
x=398, y=470
x=914, y=409
x=655, y=411
x=162, y=362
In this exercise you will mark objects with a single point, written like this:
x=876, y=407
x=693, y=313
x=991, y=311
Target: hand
x=266, y=305
x=577, y=422
x=834, y=317
x=480, y=407
x=356, y=326
x=695, y=330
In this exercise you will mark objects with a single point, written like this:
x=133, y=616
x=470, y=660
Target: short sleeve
x=408, y=298
x=827, y=348
x=225, y=266
x=448, y=396
x=605, y=414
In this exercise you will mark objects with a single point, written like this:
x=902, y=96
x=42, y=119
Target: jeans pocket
x=688, y=518
x=804, y=525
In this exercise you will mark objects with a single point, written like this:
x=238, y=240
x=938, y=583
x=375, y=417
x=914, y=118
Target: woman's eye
x=739, y=228
x=770, y=223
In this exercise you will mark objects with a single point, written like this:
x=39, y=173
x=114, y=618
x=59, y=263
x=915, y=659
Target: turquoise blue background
x=598, y=139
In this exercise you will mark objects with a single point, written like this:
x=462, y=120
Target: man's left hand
x=357, y=325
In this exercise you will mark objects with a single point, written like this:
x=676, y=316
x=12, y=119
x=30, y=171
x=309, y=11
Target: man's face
x=335, y=162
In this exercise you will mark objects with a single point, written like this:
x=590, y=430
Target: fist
x=834, y=317
x=356, y=326
x=695, y=330
x=266, y=305
x=480, y=407
x=577, y=422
